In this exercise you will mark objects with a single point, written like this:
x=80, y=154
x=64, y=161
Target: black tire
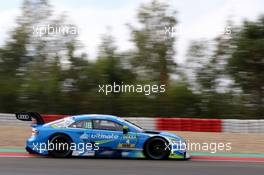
x=156, y=149
x=61, y=146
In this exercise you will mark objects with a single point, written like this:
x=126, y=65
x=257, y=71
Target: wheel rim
x=156, y=149
x=61, y=147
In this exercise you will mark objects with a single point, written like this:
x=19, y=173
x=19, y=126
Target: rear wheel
x=156, y=149
x=60, y=146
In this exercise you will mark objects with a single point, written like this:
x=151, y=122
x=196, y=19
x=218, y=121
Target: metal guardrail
x=242, y=126
x=10, y=119
x=227, y=125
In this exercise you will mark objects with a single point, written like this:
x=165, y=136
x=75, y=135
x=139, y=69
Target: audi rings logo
x=23, y=117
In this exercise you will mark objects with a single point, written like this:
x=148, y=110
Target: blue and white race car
x=100, y=136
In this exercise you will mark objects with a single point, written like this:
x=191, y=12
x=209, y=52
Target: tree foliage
x=223, y=78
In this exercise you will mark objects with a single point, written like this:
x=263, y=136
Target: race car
x=100, y=136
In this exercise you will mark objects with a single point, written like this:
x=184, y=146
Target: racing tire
x=61, y=146
x=156, y=149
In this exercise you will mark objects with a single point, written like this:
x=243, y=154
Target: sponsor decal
x=125, y=145
x=104, y=136
x=127, y=136
x=84, y=136
x=103, y=141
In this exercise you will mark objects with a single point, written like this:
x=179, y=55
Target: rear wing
x=28, y=116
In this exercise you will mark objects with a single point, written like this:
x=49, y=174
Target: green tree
x=154, y=41
x=208, y=77
x=13, y=57
x=111, y=68
x=246, y=65
x=41, y=89
x=30, y=65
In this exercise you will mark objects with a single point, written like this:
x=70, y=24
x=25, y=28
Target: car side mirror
x=125, y=129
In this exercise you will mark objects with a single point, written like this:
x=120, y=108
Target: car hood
x=168, y=135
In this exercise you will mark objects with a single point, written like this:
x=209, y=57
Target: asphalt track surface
x=92, y=166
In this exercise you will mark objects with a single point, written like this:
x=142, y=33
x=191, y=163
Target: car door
x=82, y=130
x=106, y=134
x=128, y=141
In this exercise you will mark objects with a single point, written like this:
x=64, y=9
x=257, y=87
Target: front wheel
x=156, y=148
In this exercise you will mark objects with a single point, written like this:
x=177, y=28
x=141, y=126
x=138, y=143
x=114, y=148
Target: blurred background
x=210, y=56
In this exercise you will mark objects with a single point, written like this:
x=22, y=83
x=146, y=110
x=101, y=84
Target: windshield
x=138, y=128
